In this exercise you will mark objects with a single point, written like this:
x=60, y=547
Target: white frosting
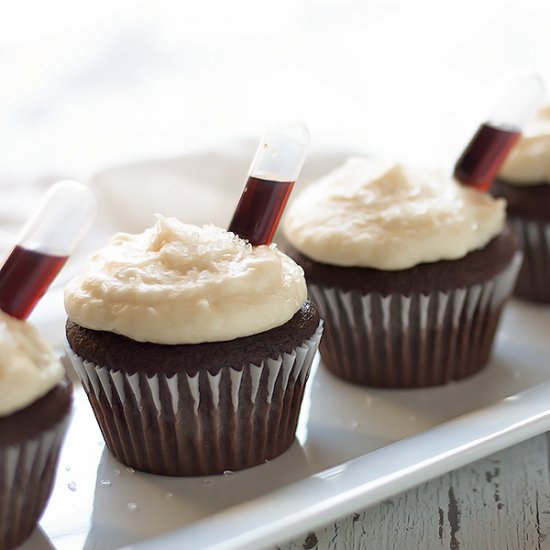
x=367, y=214
x=182, y=284
x=529, y=160
x=28, y=368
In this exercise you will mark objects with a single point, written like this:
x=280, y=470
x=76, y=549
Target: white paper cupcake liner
x=27, y=472
x=202, y=424
x=534, y=277
x=411, y=341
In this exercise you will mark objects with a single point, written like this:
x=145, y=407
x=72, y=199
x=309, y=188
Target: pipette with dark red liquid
x=481, y=160
x=47, y=241
x=274, y=170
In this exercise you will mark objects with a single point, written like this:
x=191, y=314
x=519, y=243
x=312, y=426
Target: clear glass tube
x=48, y=239
x=63, y=218
x=487, y=150
x=273, y=172
x=281, y=152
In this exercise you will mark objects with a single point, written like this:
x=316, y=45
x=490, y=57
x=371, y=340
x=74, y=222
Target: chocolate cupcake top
x=28, y=368
x=390, y=217
x=182, y=284
x=529, y=160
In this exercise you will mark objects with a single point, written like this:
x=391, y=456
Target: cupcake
x=34, y=409
x=524, y=181
x=193, y=346
x=410, y=272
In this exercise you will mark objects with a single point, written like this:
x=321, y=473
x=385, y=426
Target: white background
x=85, y=85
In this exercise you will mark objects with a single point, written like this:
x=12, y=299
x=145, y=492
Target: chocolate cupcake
x=524, y=181
x=34, y=410
x=193, y=346
x=409, y=269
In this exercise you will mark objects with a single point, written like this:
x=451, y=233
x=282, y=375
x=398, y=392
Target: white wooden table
x=501, y=502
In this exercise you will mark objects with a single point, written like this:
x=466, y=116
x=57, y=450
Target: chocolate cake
x=42, y=415
x=33, y=433
x=121, y=353
x=206, y=435
x=199, y=365
x=524, y=181
x=529, y=214
x=531, y=202
x=410, y=272
x=414, y=327
x=476, y=267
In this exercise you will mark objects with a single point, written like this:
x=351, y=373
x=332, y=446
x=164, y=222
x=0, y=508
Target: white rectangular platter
x=355, y=446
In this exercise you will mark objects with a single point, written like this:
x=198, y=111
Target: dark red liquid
x=484, y=155
x=260, y=209
x=24, y=277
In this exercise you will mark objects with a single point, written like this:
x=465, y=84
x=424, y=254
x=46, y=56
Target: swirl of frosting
x=28, y=368
x=366, y=214
x=529, y=160
x=182, y=284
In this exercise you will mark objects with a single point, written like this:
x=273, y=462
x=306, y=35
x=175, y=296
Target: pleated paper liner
x=27, y=472
x=204, y=424
x=399, y=341
x=533, y=282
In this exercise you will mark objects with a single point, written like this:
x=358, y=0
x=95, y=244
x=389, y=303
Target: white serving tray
x=355, y=446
